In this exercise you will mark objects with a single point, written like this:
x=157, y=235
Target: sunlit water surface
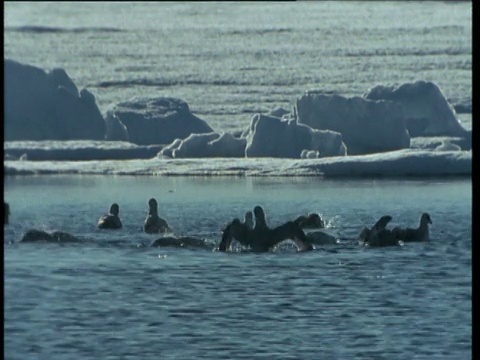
x=115, y=297
x=230, y=60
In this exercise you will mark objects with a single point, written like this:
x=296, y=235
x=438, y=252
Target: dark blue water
x=114, y=297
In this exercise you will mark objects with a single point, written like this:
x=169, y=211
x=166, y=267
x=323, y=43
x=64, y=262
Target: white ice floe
x=43, y=105
x=269, y=136
x=366, y=126
x=153, y=120
x=407, y=162
x=205, y=145
x=426, y=109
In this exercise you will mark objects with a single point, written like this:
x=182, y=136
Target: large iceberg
x=47, y=106
x=366, y=126
x=156, y=120
x=269, y=136
x=426, y=109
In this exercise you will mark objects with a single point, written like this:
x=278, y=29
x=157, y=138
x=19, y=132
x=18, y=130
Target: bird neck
x=423, y=225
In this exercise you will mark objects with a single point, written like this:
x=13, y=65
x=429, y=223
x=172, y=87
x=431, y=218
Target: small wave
x=51, y=29
x=163, y=83
x=135, y=82
x=189, y=82
x=258, y=31
x=428, y=30
x=407, y=52
x=134, y=68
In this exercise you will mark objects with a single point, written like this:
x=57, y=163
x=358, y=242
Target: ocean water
x=230, y=60
x=113, y=296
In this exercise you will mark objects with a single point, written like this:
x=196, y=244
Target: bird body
x=422, y=233
x=153, y=223
x=110, y=220
x=378, y=235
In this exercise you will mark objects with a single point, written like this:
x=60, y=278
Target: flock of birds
x=252, y=233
